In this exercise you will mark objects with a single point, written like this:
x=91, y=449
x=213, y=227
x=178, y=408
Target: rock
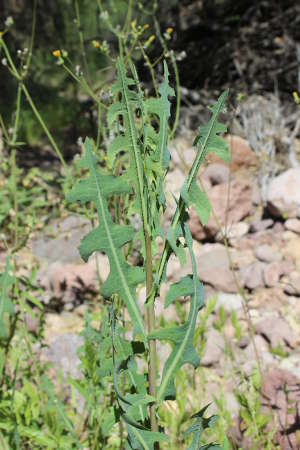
x=292, y=287
x=280, y=397
x=291, y=250
x=275, y=270
x=293, y=225
x=64, y=247
x=260, y=225
x=216, y=174
x=292, y=364
x=63, y=323
x=62, y=353
x=212, y=259
x=70, y=282
x=230, y=302
x=277, y=332
x=174, y=183
x=213, y=349
x=181, y=149
x=248, y=356
x=236, y=231
x=272, y=274
x=242, y=156
x=227, y=211
x=283, y=196
x=251, y=276
x=266, y=253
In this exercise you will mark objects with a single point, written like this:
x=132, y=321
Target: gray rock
x=214, y=269
x=62, y=248
x=213, y=349
x=230, y=302
x=216, y=174
x=62, y=352
x=293, y=225
x=251, y=276
x=261, y=225
x=266, y=253
x=292, y=287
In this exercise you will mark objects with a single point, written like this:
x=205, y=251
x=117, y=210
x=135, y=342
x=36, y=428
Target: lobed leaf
x=109, y=237
x=181, y=337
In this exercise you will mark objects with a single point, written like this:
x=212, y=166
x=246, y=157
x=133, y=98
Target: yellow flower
x=151, y=39
x=170, y=30
x=56, y=53
x=296, y=98
x=96, y=44
x=146, y=26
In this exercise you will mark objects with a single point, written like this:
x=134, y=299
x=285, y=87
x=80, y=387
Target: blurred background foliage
x=248, y=46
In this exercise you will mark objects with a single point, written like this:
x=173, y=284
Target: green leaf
x=183, y=351
x=109, y=237
x=207, y=141
x=201, y=424
x=198, y=199
x=6, y=305
x=124, y=108
x=183, y=288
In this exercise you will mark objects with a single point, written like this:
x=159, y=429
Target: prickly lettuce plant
x=143, y=138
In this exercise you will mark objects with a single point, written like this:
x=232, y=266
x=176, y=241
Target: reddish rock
x=242, y=156
x=283, y=197
x=277, y=332
x=281, y=397
x=227, y=211
x=68, y=282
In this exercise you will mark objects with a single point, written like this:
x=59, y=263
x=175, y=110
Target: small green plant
x=254, y=421
x=142, y=126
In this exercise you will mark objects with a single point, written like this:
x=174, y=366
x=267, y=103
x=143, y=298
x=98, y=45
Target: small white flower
x=103, y=15
x=19, y=53
x=9, y=21
x=80, y=141
x=77, y=70
x=25, y=51
x=4, y=61
x=180, y=56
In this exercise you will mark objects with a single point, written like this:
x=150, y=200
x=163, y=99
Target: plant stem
x=150, y=323
x=44, y=126
x=81, y=40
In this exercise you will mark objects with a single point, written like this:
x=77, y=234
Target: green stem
x=13, y=164
x=44, y=126
x=81, y=40
x=150, y=323
x=175, y=68
x=32, y=105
